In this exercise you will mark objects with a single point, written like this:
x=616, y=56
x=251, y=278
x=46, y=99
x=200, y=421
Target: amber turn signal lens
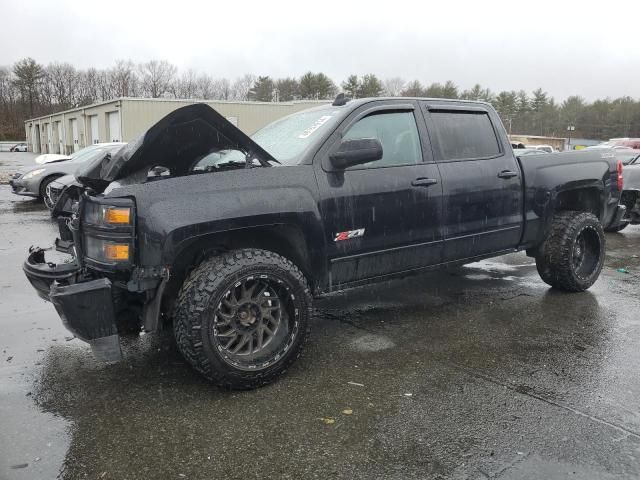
x=117, y=215
x=116, y=251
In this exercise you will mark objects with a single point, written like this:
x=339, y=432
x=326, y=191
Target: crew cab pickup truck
x=233, y=236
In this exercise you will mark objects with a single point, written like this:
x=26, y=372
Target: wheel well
x=284, y=240
x=581, y=200
x=51, y=177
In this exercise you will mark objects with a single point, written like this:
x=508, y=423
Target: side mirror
x=356, y=152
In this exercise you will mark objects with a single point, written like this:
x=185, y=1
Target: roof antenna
x=341, y=100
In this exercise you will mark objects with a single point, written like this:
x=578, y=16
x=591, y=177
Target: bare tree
x=186, y=86
x=204, y=87
x=394, y=86
x=105, y=85
x=222, y=89
x=123, y=79
x=89, y=86
x=241, y=87
x=63, y=80
x=156, y=77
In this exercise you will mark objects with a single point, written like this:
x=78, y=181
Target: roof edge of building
x=190, y=100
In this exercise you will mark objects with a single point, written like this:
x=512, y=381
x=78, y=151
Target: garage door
x=60, y=137
x=49, y=138
x=35, y=142
x=95, y=136
x=74, y=134
x=114, y=126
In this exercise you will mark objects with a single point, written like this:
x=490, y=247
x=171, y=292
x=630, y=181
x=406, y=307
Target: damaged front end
x=104, y=289
x=88, y=289
x=84, y=305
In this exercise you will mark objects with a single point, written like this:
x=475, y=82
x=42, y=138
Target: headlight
x=33, y=173
x=108, y=228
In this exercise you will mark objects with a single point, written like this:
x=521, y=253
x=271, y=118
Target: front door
x=382, y=217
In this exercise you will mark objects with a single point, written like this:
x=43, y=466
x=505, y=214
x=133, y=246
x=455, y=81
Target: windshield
x=93, y=153
x=83, y=151
x=285, y=139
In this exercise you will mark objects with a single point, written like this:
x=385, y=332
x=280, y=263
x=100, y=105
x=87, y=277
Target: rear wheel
x=572, y=255
x=241, y=318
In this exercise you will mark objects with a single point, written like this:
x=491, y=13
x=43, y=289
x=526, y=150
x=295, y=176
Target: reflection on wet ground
x=477, y=372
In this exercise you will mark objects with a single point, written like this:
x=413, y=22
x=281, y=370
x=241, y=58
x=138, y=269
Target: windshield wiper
x=250, y=157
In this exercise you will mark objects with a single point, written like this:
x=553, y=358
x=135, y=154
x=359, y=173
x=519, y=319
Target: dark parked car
x=232, y=241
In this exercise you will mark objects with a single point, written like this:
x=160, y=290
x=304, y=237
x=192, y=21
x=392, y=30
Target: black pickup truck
x=232, y=236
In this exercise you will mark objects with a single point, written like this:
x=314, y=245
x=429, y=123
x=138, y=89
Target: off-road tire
x=555, y=259
x=203, y=289
x=618, y=228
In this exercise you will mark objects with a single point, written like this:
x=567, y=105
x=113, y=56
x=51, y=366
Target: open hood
x=176, y=142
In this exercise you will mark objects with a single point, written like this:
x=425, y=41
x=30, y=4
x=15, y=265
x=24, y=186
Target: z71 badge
x=349, y=235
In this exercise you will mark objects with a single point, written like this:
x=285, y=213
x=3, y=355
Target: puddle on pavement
x=372, y=343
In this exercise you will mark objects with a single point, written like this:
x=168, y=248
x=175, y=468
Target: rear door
x=481, y=180
x=382, y=217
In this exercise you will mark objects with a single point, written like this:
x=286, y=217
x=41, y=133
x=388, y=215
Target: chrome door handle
x=424, y=182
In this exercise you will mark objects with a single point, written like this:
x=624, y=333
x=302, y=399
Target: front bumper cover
x=85, y=307
x=19, y=188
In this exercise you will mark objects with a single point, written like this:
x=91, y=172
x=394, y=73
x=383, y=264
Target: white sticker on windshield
x=316, y=125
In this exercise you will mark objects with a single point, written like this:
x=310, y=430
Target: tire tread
x=554, y=259
x=200, y=286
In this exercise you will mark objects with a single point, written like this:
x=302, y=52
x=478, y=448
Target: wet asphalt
x=477, y=372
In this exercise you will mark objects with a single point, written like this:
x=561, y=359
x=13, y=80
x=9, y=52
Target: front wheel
x=241, y=318
x=43, y=191
x=572, y=255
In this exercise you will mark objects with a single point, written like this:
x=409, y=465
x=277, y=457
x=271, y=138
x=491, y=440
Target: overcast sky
x=564, y=47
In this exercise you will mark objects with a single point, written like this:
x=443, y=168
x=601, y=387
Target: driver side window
x=398, y=134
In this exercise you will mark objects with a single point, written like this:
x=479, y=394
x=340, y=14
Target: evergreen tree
x=28, y=78
x=351, y=86
x=370, y=86
x=262, y=90
x=287, y=89
x=413, y=89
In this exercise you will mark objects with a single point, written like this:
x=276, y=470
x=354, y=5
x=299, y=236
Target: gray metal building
x=123, y=119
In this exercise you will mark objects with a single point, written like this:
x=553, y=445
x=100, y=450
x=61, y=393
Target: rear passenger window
x=398, y=134
x=464, y=135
